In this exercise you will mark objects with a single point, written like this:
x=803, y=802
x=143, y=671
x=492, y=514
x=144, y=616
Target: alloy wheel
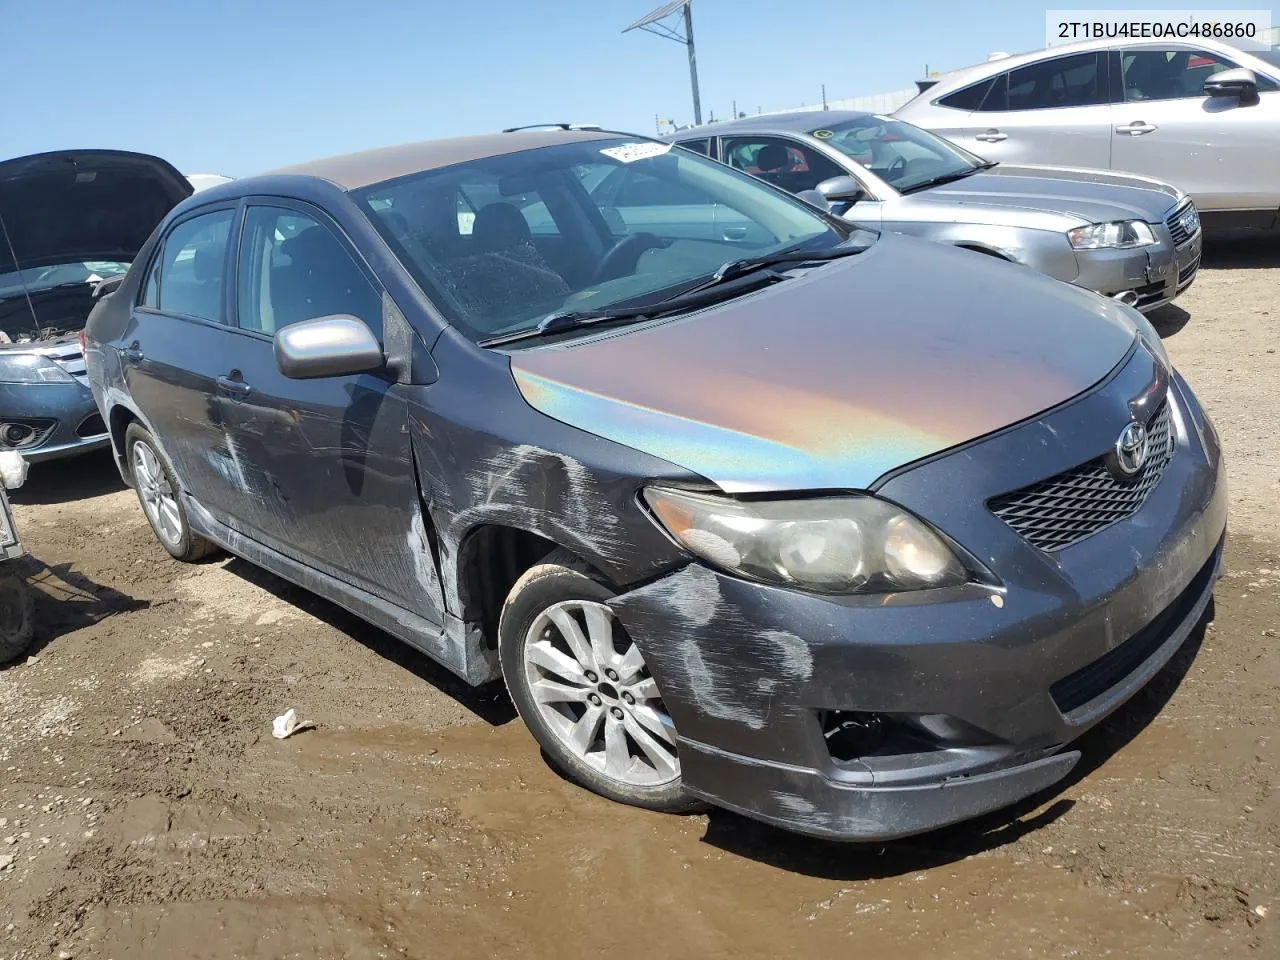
x=593, y=690
x=159, y=501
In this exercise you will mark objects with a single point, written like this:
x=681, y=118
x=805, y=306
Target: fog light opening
x=16, y=434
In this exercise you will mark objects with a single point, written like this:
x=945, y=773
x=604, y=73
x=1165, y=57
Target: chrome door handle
x=233, y=387
x=735, y=233
x=1136, y=129
x=992, y=136
x=132, y=354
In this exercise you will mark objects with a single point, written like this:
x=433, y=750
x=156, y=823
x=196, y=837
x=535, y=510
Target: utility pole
x=824, y=97
x=650, y=23
x=693, y=62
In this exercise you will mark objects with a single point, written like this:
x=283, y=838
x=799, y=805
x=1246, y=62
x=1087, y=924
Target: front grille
x=1180, y=233
x=1074, y=691
x=1063, y=510
x=1188, y=273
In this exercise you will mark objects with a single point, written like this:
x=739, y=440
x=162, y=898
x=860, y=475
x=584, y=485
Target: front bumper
x=1155, y=275
x=752, y=675
x=64, y=416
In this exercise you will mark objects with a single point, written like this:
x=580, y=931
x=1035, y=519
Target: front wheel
x=583, y=689
x=17, y=614
x=161, y=497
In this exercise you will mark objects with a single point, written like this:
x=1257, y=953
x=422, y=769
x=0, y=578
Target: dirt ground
x=146, y=811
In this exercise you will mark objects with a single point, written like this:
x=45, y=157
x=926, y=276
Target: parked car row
x=1202, y=115
x=1124, y=236
x=746, y=502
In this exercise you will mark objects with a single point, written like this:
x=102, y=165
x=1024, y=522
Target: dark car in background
x=767, y=522
x=68, y=220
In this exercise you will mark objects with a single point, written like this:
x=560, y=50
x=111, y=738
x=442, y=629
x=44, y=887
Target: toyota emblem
x=1131, y=449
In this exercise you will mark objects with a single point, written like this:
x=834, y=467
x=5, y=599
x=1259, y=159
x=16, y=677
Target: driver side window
x=784, y=163
x=1172, y=74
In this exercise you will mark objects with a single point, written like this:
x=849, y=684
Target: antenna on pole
x=650, y=23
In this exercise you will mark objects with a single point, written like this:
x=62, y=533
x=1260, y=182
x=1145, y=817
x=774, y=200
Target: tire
x=161, y=497
x=563, y=707
x=17, y=614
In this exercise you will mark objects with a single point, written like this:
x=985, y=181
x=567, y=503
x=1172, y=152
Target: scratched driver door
x=326, y=463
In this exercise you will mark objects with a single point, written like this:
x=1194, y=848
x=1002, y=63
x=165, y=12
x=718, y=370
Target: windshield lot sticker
x=630, y=152
x=823, y=134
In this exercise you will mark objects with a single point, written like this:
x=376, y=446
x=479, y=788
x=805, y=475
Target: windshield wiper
x=948, y=177
x=736, y=268
x=700, y=296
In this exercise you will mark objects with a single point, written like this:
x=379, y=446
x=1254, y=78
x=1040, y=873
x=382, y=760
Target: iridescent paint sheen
x=798, y=388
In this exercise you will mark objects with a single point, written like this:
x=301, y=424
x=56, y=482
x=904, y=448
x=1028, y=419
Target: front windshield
x=902, y=155
x=500, y=243
x=35, y=279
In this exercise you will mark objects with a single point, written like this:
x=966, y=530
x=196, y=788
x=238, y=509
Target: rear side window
x=1075, y=81
x=292, y=268
x=192, y=267
x=969, y=98
x=697, y=146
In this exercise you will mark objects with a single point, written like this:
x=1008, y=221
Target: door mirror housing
x=335, y=346
x=843, y=189
x=1238, y=82
x=814, y=199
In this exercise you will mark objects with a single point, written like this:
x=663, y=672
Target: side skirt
x=421, y=634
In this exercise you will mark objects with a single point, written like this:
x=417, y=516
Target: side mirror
x=1237, y=82
x=842, y=190
x=104, y=288
x=335, y=346
x=814, y=199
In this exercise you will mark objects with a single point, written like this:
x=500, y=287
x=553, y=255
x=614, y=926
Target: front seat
x=503, y=270
x=773, y=161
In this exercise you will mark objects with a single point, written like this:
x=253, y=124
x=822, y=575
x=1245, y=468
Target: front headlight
x=1119, y=235
x=30, y=368
x=1150, y=336
x=848, y=544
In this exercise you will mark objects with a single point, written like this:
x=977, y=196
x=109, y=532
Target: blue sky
x=240, y=86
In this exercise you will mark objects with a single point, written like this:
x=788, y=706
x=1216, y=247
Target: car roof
x=352, y=171
x=794, y=121
x=962, y=76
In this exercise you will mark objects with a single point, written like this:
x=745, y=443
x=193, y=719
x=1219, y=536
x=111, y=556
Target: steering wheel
x=895, y=169
x=621, y=259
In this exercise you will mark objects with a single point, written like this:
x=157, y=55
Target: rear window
x=187, y=277
x=970, y=98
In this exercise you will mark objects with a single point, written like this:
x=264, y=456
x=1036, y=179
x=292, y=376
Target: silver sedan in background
x=1127, y=237
x=1199, y=114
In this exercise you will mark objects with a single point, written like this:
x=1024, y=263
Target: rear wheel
x=161, y=497
x=583, y=689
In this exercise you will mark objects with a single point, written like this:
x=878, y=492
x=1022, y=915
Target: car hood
x=832, y=378
x=83, y=205
x=1066, y=193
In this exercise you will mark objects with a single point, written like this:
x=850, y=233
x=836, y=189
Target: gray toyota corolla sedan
x=764, y=522
x=1121, y=235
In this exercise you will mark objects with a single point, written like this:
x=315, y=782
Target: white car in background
x=1202, y=115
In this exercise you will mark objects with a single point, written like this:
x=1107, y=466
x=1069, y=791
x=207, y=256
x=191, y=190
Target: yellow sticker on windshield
x=823, y=134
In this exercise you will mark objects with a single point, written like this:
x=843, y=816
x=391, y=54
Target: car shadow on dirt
x=67, y=601
x=76, y=478
x=853, y=862
x=1241, y=250
x=1168, y=320
x=489, y=702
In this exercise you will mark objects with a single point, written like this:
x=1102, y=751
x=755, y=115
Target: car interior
x=502, y=247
